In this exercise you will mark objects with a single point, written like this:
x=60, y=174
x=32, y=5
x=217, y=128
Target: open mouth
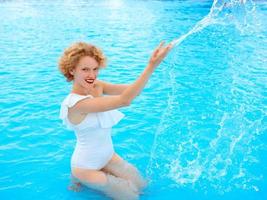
x=90, y=81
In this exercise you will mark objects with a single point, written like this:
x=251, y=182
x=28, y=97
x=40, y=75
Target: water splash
x=188, y=163
x=237, y=11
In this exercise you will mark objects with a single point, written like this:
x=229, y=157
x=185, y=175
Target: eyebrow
x=89, y=67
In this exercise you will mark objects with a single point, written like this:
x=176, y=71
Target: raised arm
x=105, y=103
x=134, y=89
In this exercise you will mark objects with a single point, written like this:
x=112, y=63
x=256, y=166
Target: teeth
x=89, y=80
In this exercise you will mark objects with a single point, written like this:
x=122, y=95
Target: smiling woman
x=75, y=54
x=85, y=73
x=198, y=130
x=87, y=59
x=91, y=115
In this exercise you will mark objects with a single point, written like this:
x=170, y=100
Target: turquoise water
x=198, y=130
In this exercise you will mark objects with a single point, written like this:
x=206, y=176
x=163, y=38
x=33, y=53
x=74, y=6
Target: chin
x=90, y=85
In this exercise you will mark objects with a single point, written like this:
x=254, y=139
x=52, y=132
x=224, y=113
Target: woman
x=91, y=115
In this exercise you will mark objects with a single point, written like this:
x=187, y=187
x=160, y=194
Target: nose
x=91, y=74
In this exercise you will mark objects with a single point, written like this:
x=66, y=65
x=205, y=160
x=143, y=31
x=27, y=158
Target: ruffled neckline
x=105, y=119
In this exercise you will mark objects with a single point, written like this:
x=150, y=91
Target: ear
x=71, y=71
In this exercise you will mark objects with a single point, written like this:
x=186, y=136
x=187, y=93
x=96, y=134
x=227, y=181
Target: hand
x=76, y=187
x=159, y=54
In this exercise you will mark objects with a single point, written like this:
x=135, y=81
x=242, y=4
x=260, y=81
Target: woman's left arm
x=113, y=89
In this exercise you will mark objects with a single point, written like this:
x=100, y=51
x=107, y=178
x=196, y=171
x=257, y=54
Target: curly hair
x=74, y=53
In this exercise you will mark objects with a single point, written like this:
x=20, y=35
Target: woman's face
x=86, y=72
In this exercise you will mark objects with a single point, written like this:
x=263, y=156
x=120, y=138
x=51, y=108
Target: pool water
x=198, y=129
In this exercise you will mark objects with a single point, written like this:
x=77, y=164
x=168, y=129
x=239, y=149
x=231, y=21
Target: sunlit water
x=198, y=130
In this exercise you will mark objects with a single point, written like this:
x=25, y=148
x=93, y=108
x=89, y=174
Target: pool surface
x=198, y=129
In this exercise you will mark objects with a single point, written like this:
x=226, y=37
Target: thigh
x=89, y=176
x=115, y=166
x=114, y=161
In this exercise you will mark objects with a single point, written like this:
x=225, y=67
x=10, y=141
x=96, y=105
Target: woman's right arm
x=104, y=103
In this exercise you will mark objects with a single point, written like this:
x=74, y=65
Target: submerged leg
x=115, y=187
x=121, y=168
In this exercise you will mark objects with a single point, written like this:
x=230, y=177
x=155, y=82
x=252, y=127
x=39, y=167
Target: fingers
x=158, y=48
x=161, y=52
x=163, y=49
x=166, y=49
x=161, y=44
x=170, y=46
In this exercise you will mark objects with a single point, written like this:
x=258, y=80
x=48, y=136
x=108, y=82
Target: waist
x=93, y=138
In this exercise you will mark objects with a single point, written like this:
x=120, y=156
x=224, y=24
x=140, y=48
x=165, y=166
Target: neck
x=81, y=90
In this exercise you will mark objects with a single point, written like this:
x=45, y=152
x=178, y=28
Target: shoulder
x=100, y=83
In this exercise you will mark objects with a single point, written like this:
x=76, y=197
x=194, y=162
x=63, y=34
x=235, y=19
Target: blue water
x=197, y=131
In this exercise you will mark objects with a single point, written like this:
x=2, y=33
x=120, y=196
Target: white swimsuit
x=94, y=146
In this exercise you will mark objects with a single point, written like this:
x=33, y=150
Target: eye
x=96, y=69
x=85, y=69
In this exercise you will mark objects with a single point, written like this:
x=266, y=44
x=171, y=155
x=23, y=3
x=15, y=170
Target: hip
x=94, y=160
